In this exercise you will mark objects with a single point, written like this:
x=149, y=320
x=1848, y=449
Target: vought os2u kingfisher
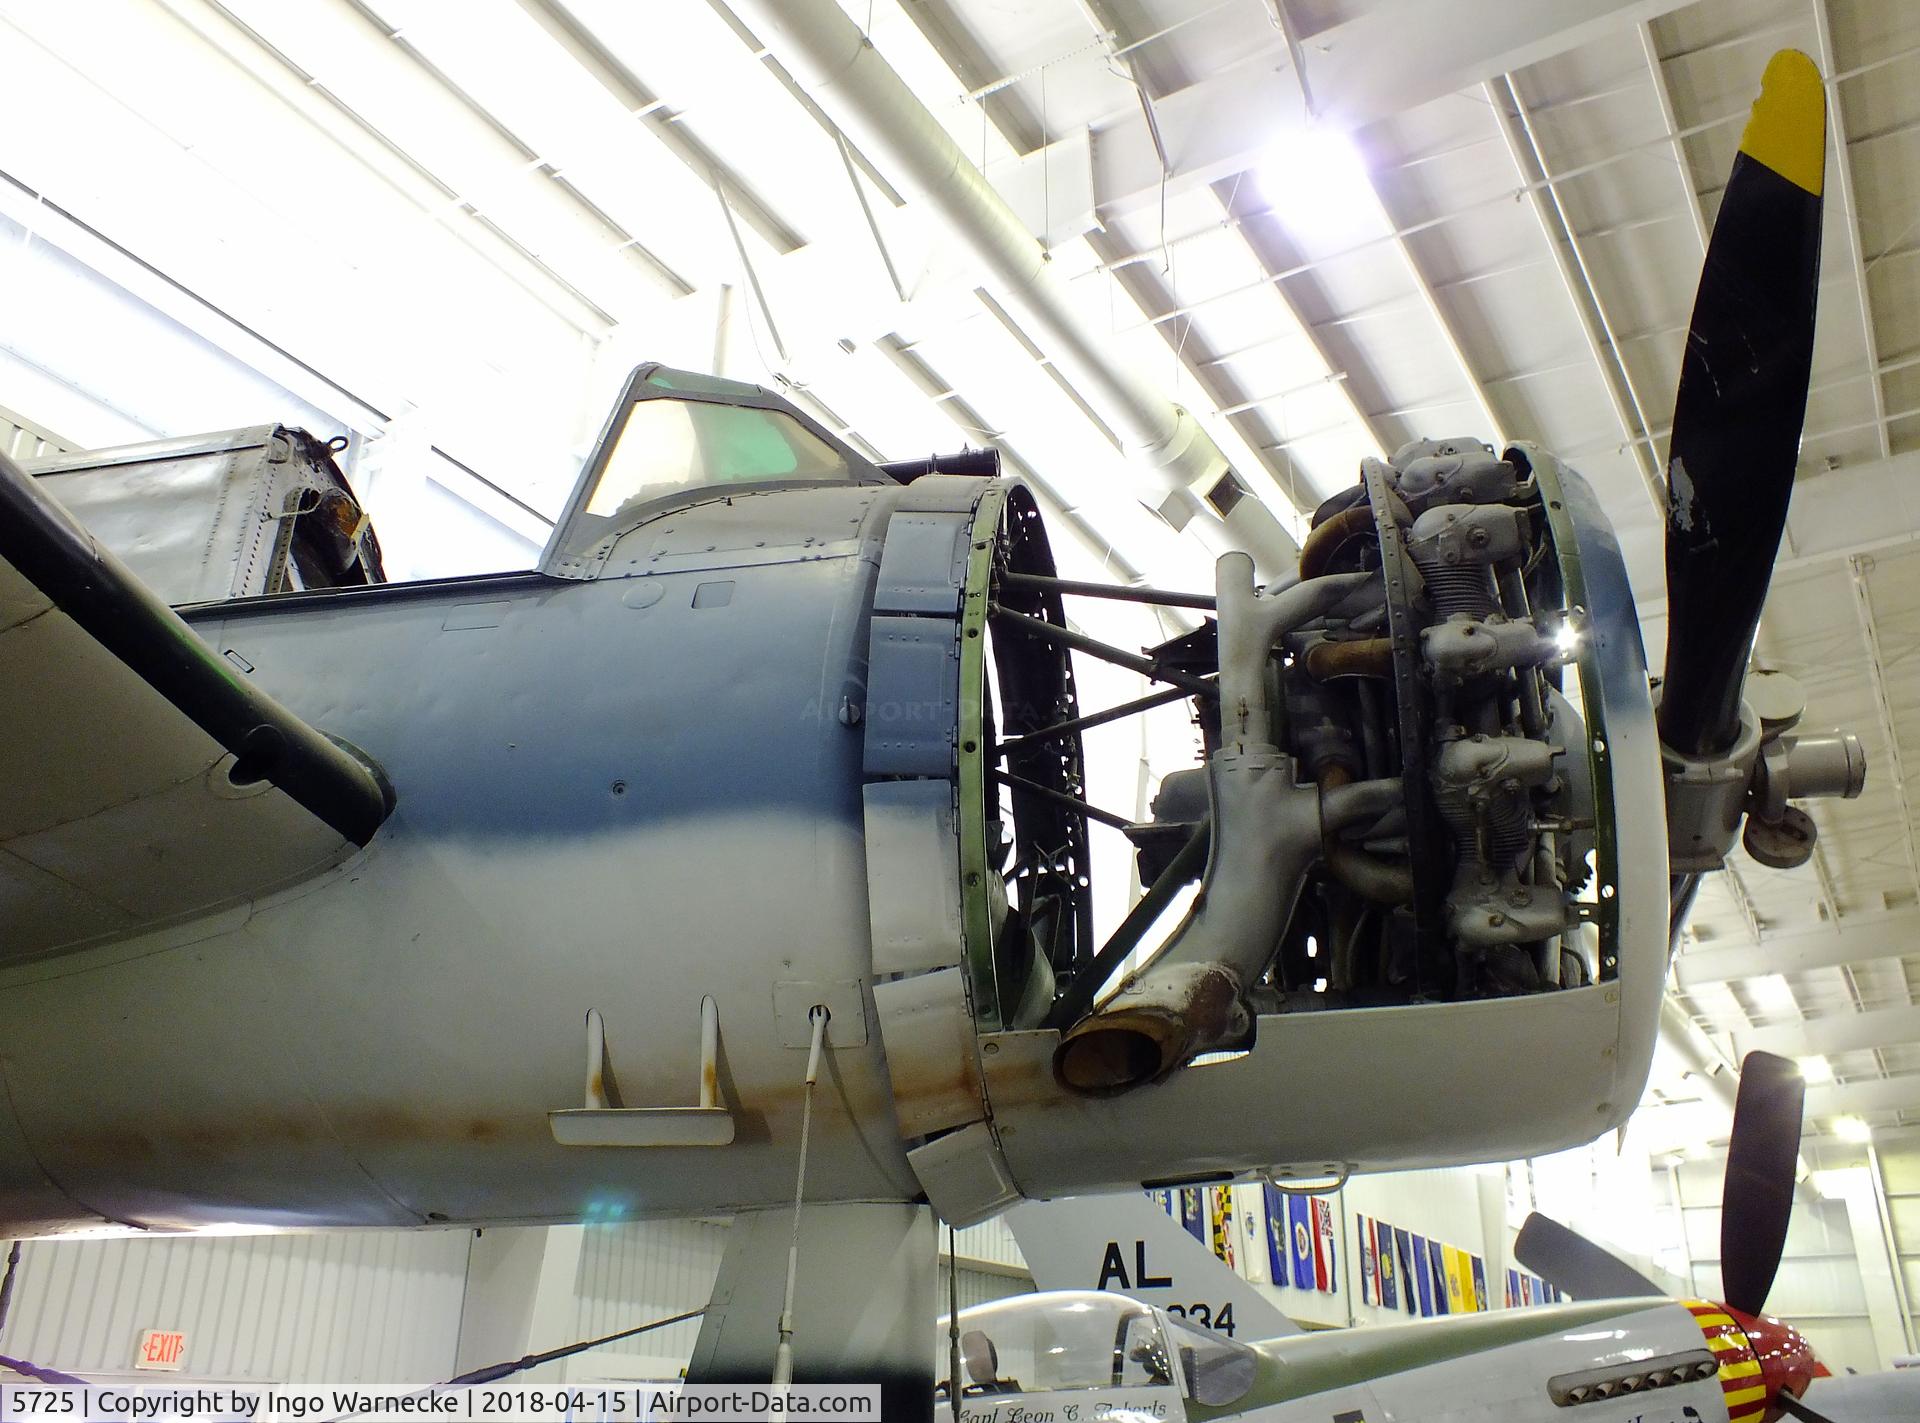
x=526, y=897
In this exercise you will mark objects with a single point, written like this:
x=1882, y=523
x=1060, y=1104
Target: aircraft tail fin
x=1129, y=1245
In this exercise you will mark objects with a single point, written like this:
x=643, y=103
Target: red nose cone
x=1786, y=1359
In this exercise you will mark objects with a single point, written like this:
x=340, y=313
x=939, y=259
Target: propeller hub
x=1761, y=1360
x=1786, y=1360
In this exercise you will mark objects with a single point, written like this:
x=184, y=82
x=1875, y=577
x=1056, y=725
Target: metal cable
x=783, y=1352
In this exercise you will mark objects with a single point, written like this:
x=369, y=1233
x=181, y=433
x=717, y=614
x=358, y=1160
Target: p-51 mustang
x=528, y=897
x=1623, y=1352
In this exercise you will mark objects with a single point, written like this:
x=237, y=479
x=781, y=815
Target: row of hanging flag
x=1401, y=1270
x=1524, y=1289
x=1270, y=1237
x=1273, y=1236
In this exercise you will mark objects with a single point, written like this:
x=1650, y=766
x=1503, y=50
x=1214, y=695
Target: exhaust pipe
x=1267, y=830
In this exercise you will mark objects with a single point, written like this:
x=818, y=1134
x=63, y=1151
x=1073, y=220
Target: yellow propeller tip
x=1787, y=130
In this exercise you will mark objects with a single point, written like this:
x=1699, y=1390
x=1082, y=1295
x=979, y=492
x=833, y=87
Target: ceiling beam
x=1840, y=1032
x=1852, y=511
x=1877, y=1094
x=1850, y=210
x=1449, y=334
x=1663, y=96
x=510, y=152
x=1857, y=567
x=179, y=303
x=1178, y=178
x=1391, y=58
x=1264, y=252
x=1516, y=131
x=971, y=423
x=1856, y=940
x=586, y=50
x=1399, y=53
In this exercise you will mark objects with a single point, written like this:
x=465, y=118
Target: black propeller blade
x=1756, y=1200
x=1569, y=1261
x=1793, y=1407
x=1757, y=1196
x=1741, y=404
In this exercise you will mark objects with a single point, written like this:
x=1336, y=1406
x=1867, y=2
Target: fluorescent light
x=1774, y=995
x=1834, y=1185
x=1852, y=1129
x=1316, y=180
x=1816, y=1069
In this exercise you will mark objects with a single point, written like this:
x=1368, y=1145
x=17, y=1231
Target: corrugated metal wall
x=348, y=1307
x=630, y=1274
x=982, y=1287
x=990, y=1241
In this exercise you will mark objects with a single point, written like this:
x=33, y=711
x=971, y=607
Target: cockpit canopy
x=1066, y=1340
x=673, y=432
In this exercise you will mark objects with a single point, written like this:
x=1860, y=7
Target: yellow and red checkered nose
x=1760, y=1358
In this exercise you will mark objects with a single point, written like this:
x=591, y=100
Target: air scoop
x=1267, y=829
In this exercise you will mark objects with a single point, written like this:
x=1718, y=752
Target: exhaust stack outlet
x=1152, y=1027
x=1267, y=830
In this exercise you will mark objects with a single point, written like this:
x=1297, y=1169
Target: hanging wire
x=532, y=1361
x=783, y=1351
x=953, y=1324
x=1046, y=171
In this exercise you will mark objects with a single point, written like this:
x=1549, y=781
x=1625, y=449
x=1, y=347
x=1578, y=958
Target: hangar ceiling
x=1326, y=227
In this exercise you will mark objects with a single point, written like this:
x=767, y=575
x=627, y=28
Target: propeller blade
x=1568, y=1260
x=1757, y=1197
x=1741, y=405
x=1792, y=1406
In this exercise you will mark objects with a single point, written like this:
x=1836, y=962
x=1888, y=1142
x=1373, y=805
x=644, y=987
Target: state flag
x=1454, y=1273
x=1250, y=1228
x=1300, y=1231
x=1437, y=1255
x=1389, y=1280
x=1526, y=1290
x=1403, y=1247
x=1277, y=1250
x=1220, y=1223
x=1480, y=1299
x=1513, y=1289
x=1423, y=1274
x=1364, y=1259
x=1326, y=1272
x=1376, y=1265
x=1193, y=1213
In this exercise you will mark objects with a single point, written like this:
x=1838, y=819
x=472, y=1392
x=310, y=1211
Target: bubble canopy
x=1067, y=1340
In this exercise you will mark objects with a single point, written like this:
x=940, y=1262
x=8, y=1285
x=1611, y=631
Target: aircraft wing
x=1892, y=1397
x=142, y=778
x=1129, y=1245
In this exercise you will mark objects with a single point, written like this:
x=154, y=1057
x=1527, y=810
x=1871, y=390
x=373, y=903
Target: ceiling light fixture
x=1316, y=181
x=1852, y=1129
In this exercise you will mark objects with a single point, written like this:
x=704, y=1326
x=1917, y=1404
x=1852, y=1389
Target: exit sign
x=161, y=1349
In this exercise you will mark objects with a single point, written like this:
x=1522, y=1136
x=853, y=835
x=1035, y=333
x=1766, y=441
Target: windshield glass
x=665, y=445
x=1218, y=1371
